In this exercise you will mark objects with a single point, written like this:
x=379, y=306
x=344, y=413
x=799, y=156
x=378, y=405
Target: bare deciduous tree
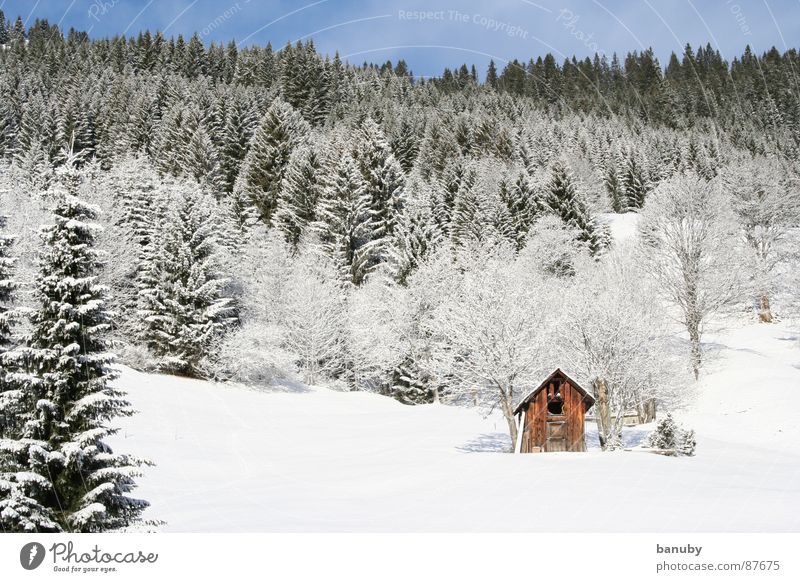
x=766, y=199
x=615, y=336
x=490, y=333
x=690, y=246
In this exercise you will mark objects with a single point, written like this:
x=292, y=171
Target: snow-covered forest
x=258, y=216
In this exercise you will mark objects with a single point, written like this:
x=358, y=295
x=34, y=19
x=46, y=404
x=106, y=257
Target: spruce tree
x=416, y=233
x=523, y=207
x=9, y=397
x=384, y=182
x=343, y=224
x=281, y=130
x=200, y=161
x=564, y=200
x=70, y=401
x=239, y=125
x=299, y=195
x=186, y=304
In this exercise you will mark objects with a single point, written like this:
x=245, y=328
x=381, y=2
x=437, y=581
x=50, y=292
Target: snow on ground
x=236, y=459
x=622, y=226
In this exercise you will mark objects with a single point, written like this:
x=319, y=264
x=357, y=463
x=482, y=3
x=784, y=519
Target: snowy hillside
x=235, y=459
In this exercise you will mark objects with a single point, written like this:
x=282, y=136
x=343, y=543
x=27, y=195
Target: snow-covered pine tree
x=281, y=130
x=343, y=225
x=186, y=305
x=299, y=195
x=9, y=396
x=613, y=183
x=406, y=143
x=239, y=125
x=564, y=200
x=445, y=191
x=523, y=206
x=70, y=400
x=131, y=195
x=665, y=436
x=20, y=488
x=633, y=178
x=200, y=160
x=416, y=233
x=384, y=182
x=174, y=133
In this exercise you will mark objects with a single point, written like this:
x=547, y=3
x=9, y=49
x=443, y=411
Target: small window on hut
x=555, y=400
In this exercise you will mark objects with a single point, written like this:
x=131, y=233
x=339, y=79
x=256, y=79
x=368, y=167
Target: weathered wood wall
x=536, y=417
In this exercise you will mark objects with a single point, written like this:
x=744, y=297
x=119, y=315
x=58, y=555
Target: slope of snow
x=236, y=459
x=622, y=226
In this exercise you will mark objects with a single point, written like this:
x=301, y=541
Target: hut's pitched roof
x=588, y=399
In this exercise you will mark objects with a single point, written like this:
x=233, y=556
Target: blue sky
x=433, y=34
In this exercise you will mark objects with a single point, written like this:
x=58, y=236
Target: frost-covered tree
x=523, y=205
x=490, y=330
x=377, y=328
x=384, y=182
x=239, y=124
x=254, y=353
x=690, y=247
x=9, y=396
x=416, y=234
x=552, y=248
x=186, y=304
x=280, y=131
x=131, y=196
x=313, y=318
x=64, y=367
x=344, y=225
x=200, y=161
x=615, y=336
x=300, y=193
x=564, y=199
x=766, y=199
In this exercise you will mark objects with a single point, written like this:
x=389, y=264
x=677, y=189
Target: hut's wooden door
x=556, y=436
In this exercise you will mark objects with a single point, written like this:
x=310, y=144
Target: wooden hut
x=551, y=417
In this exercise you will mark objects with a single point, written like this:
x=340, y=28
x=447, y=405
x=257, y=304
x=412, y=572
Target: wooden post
x=520, y=428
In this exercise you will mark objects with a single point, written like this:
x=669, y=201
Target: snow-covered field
x=236, y=459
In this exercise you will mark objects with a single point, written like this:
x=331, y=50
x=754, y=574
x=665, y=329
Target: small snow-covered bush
x=251, y=355
x=137, y=357
x=663, y=437
x=669, y=436
x=687, y=444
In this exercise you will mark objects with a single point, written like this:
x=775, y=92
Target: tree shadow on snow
x=632, y=436
x=494, y=442
x=277, y=386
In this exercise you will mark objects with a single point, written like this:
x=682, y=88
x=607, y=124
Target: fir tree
x=344, y=225
x=384, y=181
x=416, y=233
x=281, y=130
x=300, y=193
x=523, y=207
x=9, y=397
x=564, y=200
x=186, y=307
x=75, y=481
x=239, y=125
x=666, y=434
